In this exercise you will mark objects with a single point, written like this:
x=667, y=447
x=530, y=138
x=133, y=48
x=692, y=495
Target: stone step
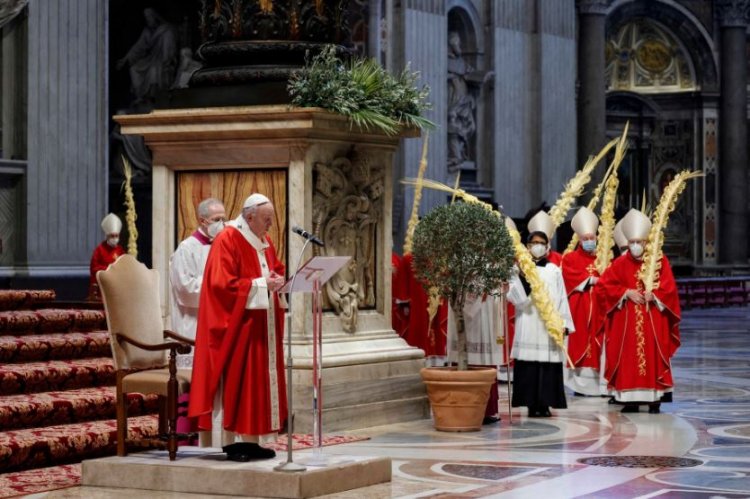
x=54, y=346
x=71, y=406
x=55, y=375
x=48, y=320
x=63, y=444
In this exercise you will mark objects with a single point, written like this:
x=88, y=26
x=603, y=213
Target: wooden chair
x=130, y=293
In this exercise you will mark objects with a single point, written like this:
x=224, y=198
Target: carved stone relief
x=347, y=209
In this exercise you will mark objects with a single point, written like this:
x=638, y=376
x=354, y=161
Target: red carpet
x=57, y=401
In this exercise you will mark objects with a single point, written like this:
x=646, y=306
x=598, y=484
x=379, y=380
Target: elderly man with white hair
x=238, y=390
x=186, y=271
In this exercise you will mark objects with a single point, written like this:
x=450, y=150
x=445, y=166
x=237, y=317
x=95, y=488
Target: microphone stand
x=290, y=465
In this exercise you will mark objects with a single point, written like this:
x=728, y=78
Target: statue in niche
x=153, y=58
x=346, y=204
x=461, y=106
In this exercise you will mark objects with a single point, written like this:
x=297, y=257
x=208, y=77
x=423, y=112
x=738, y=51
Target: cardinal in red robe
x=239, y=339
x=105, y=253
x=430, y=336
x=642, y=331
x=581, y=276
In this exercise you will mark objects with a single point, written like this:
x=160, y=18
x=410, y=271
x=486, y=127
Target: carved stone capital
x=592, y=7
x=733, y=13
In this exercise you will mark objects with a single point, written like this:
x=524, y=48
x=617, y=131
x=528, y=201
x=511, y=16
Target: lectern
x=309, y=279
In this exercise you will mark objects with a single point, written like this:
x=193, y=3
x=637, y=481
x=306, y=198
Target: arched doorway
x=652, y=83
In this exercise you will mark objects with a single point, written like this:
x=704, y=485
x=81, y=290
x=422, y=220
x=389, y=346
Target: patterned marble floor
x=708, y=426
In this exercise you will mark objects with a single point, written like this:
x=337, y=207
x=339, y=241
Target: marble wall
x=526, y=59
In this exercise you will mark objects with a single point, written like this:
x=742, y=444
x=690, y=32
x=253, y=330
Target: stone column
x=66, y=184
x=592, y=123
x=733, y=20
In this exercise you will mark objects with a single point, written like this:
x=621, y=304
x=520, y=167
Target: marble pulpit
x=330, y=178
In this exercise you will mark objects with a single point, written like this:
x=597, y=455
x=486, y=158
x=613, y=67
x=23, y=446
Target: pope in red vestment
x=105, y=253
x=641, y=338
x=420, y=332
x=239, y=339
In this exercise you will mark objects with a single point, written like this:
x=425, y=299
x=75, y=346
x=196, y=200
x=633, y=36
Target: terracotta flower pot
x=458, y=398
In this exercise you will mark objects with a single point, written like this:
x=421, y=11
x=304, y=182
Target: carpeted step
x=71, y=406
x=55, y=375
x=48, y=320
x=14, y=299
x=54, y=346
x=63, y=444
x=39, y=480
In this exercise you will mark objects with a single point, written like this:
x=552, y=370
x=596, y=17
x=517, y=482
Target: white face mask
x=214, y=228
x=636, y=249
x=589, y=245
x=538, y=250
x=112, y=241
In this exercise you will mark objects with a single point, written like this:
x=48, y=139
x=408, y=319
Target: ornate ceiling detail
x=643, y=57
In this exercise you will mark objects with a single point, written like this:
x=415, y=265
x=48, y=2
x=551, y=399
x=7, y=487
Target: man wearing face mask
x=106, y=253
x=642, y=327
x=238, y=389
x=542, y=222
x=580, y=274
x=186, y=271
x=538, y=371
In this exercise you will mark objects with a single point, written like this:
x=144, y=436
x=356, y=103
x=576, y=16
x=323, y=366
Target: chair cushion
x=155, y=381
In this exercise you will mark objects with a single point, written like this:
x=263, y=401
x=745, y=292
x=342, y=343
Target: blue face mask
x=588, y=246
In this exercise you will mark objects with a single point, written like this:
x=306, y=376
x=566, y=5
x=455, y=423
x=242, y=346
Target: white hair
x=205, y=206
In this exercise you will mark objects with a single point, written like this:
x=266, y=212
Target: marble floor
x=698, y=447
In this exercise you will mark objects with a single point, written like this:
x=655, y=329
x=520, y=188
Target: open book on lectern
x=318, y=268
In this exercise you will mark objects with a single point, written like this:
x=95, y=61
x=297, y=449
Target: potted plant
x=362, y=90
x=459, y=249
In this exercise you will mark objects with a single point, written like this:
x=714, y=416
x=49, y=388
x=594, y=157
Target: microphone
x=310, y=237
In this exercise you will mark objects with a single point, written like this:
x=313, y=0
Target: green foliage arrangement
x=462, y=249
x=361, y=90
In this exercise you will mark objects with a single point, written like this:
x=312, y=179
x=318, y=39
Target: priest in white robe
x=186, y=272
x=538, y=367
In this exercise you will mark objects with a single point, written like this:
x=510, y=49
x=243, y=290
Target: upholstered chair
x=140, y=344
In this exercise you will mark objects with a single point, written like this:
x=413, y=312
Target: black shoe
x=654, y=408
x=490, y=420
x=246, y=451
x=544, y=413
x=535, y=412
x=578, y=394
x=611, y=400
x=629, y=408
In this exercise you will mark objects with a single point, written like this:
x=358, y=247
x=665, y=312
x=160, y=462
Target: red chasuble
x=104, y=255
x=583, y=346
x=234, y=342
x=640, y=339
x=432, y=340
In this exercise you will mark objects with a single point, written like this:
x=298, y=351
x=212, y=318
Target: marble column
x=66, y=185
x=733, y=220
x=592, y=123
